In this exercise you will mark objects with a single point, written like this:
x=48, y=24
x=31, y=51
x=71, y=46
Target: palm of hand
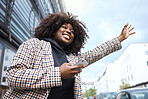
x=126, y=31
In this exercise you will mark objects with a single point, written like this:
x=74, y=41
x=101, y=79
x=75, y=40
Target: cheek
x=72, y=39
x=57, y=34
x=73, y=36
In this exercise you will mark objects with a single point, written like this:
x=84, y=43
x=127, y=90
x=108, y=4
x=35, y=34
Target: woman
x=44, y=66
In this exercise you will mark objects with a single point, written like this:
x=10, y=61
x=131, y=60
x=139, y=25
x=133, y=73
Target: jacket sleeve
x=102, y=50
x=22, y=75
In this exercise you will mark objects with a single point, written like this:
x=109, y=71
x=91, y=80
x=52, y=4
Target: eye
x=64, y=27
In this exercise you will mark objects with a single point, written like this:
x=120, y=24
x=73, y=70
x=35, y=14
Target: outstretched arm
x=126, y=32
x=108, y=47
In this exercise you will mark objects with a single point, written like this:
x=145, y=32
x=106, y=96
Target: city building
x=134, y=64
x=107, y=82
x=130, y=68
x=18, y=19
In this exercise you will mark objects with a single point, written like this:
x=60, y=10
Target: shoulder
x=35, y=42
x=32, y=41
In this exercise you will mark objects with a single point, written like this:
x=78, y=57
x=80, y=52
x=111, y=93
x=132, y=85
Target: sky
x=105, y=20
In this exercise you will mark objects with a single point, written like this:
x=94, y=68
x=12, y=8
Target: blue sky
x=105, y=20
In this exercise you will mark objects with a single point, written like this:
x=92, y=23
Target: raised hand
x=126, y=32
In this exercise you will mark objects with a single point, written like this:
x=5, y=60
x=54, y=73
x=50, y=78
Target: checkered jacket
x=32, y=73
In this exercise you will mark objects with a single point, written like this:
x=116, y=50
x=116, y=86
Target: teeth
x=66, y=36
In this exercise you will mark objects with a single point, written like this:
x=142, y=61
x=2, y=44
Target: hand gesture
x=126, y=32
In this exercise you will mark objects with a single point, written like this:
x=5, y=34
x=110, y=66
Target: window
x=1, y=47
x=140, y=94
x=8, y=56
x=127, y=68
x=5, y=68
x=123, y=95
x=24, y=20
x=131, y=77
x=146, y=52
x=125, y=80
x=4, y=79
x=128, y=78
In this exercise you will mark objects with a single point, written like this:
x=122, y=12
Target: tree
x=124, y=85
x=90, y=92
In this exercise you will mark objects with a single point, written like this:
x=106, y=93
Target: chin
x=67, y=42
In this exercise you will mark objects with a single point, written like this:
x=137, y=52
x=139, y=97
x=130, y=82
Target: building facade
x=130, y=68
x=108, y=81
x=18, y=19
x=134, y=64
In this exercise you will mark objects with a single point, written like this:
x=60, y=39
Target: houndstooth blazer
x=32, y=72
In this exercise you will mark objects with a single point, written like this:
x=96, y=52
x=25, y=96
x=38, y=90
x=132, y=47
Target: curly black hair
x=50, y=24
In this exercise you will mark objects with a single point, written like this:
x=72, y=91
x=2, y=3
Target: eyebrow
x=66, y=24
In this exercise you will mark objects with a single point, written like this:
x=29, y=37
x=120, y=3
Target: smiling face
x=64, y=35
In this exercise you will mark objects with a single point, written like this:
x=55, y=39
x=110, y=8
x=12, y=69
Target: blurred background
x=104, y=19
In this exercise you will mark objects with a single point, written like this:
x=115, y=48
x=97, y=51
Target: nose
x=68, y=31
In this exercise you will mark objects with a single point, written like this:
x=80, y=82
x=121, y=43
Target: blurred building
x=107, y=82
x=131, y=68
x=86, y=86
x=18, y=19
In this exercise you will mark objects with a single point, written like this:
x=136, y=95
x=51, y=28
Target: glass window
x=25, y=17
x=5, y=68
x=128, y=78
x=2, y=12
x=8, y=56
x=4, y=79
x=146, y=52
x=123, y=95
x=24, y=20
x=140, y=94
x=131, y=77
x=127, y=68
x=45, y=7
x=109, y=95
x=1, y=47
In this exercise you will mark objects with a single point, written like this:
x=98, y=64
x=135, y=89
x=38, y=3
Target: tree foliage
x=90, y=92
x=124, y=85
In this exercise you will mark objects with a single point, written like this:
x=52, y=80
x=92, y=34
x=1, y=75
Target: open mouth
x=67, y=36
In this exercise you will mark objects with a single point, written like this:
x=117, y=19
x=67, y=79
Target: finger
x=76, y=71
x=132, y=33
x=75, y=67
x=81, y=65
x=69, y=64
x=75, y=74
x=131, y=29
x=129, y=26
x=125, y=26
